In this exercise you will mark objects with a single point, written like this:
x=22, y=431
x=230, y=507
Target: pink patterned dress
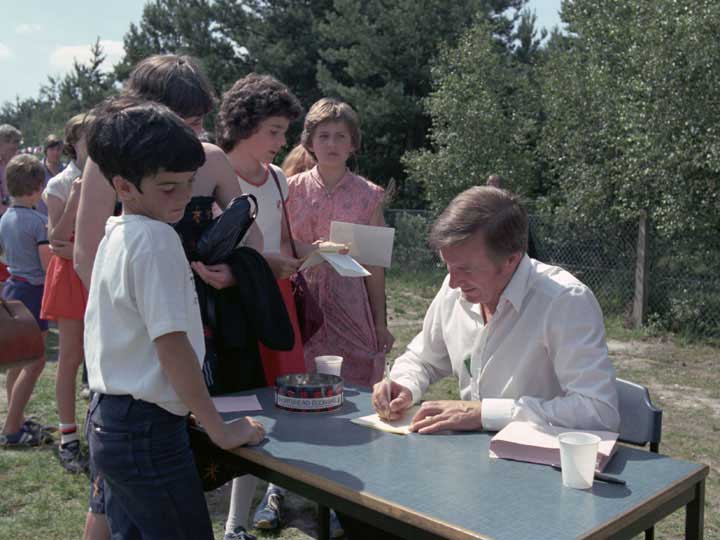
x=348, y=329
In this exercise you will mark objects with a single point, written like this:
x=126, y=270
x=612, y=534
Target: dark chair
x=640, y=421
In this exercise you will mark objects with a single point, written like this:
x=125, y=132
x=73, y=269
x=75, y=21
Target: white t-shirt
x=59, y=185
x=270, y=211
x=141, y=288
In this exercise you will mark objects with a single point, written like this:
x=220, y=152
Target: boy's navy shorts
x=29, y=294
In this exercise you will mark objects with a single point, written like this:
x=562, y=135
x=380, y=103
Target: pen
x=388, y=383
x=598, y=476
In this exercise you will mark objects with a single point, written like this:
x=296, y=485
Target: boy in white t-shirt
x=143, y=333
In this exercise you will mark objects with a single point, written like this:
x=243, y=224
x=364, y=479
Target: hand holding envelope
x=366, y=244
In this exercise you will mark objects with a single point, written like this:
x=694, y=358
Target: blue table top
x=450, y=479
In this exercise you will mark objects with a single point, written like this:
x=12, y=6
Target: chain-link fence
x=602, y=257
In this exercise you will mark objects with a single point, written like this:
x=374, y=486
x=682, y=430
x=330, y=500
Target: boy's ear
x=126, y=190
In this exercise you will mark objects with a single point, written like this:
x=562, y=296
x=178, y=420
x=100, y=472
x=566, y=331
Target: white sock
x=241, y=496
x=68, y=433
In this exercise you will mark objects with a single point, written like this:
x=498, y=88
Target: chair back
x=640, y=420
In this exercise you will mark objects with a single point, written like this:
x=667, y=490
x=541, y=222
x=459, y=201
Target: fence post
x=641, y=292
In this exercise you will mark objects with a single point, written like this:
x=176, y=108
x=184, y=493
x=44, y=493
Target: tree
x=377, y=55
x=60, y=98
x=632, y=125
x=485, y=116
x=183, y=27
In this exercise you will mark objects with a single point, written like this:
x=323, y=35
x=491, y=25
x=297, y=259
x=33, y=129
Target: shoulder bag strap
x=287, y=221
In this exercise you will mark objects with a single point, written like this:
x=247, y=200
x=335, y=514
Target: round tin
x=308, y=392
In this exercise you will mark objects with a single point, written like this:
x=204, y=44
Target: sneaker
x=72, y=457
x=23, y=438
x=267, y=515
x=336, y=529
x=238, y=533
x=32, y=423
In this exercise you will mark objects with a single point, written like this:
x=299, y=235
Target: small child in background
x=354, y=326
x=144, y=340
x=65, y=296
x=24, y=242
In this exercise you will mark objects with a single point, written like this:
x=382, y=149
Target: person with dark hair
x=254, y=116
x=52, y=154
x=144, y=340
x=178, y=82
x=251, y=124
x=24, y=244
x=526, y=340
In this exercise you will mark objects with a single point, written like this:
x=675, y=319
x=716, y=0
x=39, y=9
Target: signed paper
x=368, y=244
x=227, y=404
x=400, y=427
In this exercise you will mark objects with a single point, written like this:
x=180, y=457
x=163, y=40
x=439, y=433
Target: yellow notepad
x=400, y=427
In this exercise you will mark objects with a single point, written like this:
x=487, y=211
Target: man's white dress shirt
x=542, y=356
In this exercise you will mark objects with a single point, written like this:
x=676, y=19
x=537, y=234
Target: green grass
x=40, y=500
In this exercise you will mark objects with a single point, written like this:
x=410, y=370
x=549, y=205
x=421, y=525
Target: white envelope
x=368, y=244
x=344, y=265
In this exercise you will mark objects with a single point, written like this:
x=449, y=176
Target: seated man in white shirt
x=525, y=340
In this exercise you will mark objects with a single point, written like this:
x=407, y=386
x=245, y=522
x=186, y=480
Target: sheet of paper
x=525, y=441
x=344, y=265
x=400, y=427
x=368, y=244
x=237, y=404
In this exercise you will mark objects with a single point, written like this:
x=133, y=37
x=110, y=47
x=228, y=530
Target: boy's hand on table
x=239, y=433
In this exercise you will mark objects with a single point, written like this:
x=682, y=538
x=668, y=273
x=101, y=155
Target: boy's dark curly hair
x=251, y=100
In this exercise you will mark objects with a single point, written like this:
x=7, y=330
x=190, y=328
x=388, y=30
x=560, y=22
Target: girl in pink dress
x=354, y=308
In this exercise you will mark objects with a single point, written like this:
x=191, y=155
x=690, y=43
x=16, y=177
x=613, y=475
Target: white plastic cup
x=578, y=454
x=328, y=364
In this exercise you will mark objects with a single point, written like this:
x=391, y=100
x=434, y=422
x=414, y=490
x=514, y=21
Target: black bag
x=226, y=231
x=214, y=465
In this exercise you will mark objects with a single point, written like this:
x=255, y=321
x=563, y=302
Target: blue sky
x=41, y=37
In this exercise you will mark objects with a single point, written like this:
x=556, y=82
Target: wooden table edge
x=683, y=485
x=373, y=502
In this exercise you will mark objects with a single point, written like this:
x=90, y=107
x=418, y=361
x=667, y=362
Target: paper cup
x=578, y=453
x=329, y=365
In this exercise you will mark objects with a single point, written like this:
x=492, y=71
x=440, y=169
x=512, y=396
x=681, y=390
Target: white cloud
x=26, y=28
x=5, y=51
x=61, y=58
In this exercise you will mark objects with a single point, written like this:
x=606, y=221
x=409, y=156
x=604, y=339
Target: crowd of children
x=115, y=265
